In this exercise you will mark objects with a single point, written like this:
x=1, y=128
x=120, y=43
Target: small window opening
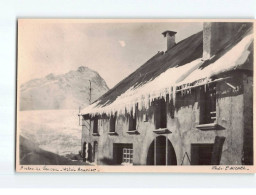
x=95, y=125
x=160, y=114
x=133, y=119
x=208, y=104
x=112, y=125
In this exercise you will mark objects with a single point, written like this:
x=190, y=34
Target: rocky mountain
x=66, y=91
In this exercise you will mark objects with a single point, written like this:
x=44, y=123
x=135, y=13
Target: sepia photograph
x=135, y=95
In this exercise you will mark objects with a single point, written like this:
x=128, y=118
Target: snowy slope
x=56, y=131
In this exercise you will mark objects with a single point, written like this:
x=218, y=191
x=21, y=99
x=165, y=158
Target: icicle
x=170, y=93
x=133, y=109
x=120, y=111
x=130, y=108
x=149, y=102
x=174, y=95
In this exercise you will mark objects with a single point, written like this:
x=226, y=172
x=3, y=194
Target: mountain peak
x=65, y=91
x=50, y=76
x=82, y=69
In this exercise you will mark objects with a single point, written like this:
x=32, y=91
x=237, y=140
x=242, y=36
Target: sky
x=112, y=48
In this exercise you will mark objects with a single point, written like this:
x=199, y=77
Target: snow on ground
x=56, y=131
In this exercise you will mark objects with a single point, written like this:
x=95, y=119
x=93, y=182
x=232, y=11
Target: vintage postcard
x=135, y=95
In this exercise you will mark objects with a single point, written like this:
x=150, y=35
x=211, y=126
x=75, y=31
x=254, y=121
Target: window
x=127, y=156
x=112, y=125
x=160, y=114
x=133, y=119
x=95, y=125
x=122, y=153
x=208, y=104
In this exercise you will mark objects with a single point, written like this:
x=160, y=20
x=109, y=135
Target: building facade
x=194, y=107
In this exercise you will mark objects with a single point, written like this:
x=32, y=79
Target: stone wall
x=248, y=122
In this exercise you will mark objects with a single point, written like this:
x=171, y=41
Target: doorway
x=201, y=154
x=161, y=152
x=123, y=154
x=84, y=151
x=95, y=151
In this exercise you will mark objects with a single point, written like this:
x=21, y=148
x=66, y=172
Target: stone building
x=189, y=105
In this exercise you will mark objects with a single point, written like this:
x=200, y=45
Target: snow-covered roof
x=231, y=60
x=178, y=67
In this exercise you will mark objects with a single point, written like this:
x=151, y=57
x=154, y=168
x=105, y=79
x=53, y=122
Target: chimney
x=216, y=35
x=170, y=35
